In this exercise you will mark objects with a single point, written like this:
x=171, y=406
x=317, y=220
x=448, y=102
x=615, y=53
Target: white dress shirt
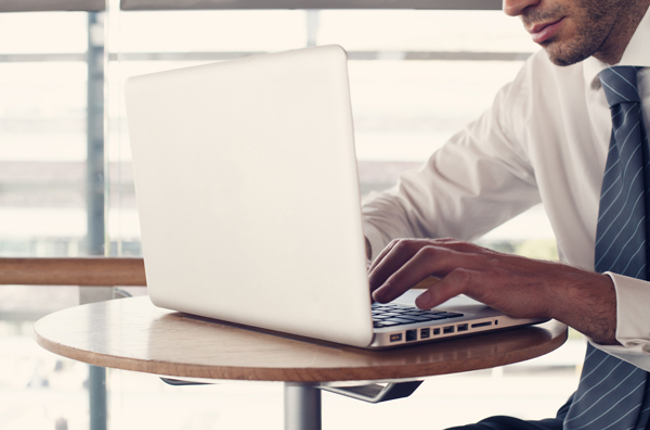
x=545, y=138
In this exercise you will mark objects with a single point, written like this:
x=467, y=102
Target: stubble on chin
x=570, y=52
x=588, y=31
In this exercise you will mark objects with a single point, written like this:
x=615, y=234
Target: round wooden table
x=132, y=334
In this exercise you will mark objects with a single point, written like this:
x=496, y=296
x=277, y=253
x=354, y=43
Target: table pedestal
x=302, y=406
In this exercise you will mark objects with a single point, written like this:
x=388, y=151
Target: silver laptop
x=248, y=197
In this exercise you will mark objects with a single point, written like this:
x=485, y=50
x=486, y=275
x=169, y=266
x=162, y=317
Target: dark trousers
x=510, y=423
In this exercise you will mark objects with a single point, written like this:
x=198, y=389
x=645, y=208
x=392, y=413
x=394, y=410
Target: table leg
x=302, y=406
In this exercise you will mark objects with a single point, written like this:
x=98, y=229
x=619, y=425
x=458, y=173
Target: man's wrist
x=589, y=306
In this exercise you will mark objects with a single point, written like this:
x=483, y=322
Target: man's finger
x=457, y=282
x=392, y=258
x=402, y=276
x=384, y=252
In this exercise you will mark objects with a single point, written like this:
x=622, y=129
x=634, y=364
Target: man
x=546, y=138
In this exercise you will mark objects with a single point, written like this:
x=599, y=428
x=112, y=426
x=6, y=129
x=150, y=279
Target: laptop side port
x=396, y=337
x=448, y=329
x=425, y=333
x=482, y=324
x=411, y=335
x=436, y=331
x=462, y=327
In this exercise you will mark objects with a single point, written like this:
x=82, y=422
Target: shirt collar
x=636, y=54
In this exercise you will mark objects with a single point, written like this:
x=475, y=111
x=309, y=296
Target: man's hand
x=518, y=286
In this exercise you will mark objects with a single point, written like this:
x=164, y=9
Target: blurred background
x=66, y=189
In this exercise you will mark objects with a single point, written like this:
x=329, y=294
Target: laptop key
x=432, y=317
x=399, y=321
x=381, y=317
x=450, y=314
x=416, y=318
x=385, y=323
x=393, y=314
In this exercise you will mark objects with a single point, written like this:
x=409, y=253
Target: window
x=416, y=78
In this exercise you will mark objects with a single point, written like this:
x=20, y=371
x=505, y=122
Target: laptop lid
x=248, y=193
x=249, y=205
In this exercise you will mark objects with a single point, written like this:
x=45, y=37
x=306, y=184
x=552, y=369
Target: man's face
x=571, y=30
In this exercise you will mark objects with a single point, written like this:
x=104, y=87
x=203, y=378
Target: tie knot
x=620, y=86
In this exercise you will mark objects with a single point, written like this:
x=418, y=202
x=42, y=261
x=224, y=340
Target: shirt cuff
x=632, y=321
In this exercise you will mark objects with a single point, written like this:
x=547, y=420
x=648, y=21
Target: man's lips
x=544, y=31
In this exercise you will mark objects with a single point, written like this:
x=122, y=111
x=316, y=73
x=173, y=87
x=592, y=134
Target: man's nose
x=515, y=7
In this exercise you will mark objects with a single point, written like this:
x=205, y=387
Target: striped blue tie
x=612, y=393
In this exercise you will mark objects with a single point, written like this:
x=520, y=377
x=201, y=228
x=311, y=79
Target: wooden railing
x=90, y=271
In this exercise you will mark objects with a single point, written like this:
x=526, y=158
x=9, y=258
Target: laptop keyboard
x=392, y=314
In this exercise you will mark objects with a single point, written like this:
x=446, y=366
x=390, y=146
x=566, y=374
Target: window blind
x=51, y=5
x=310, y=4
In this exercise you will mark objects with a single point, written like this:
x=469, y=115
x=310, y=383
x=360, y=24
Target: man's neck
x=614, y=46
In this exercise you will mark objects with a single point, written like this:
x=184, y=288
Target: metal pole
x=302, y=407
x=98, y=400
x=95, y=198
x=95, y=136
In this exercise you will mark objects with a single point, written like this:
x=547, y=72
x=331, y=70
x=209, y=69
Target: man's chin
x=563, y=57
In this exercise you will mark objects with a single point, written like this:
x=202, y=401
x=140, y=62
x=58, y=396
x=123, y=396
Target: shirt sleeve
x=484, y=176
x=479, y=179
x=633, y=321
